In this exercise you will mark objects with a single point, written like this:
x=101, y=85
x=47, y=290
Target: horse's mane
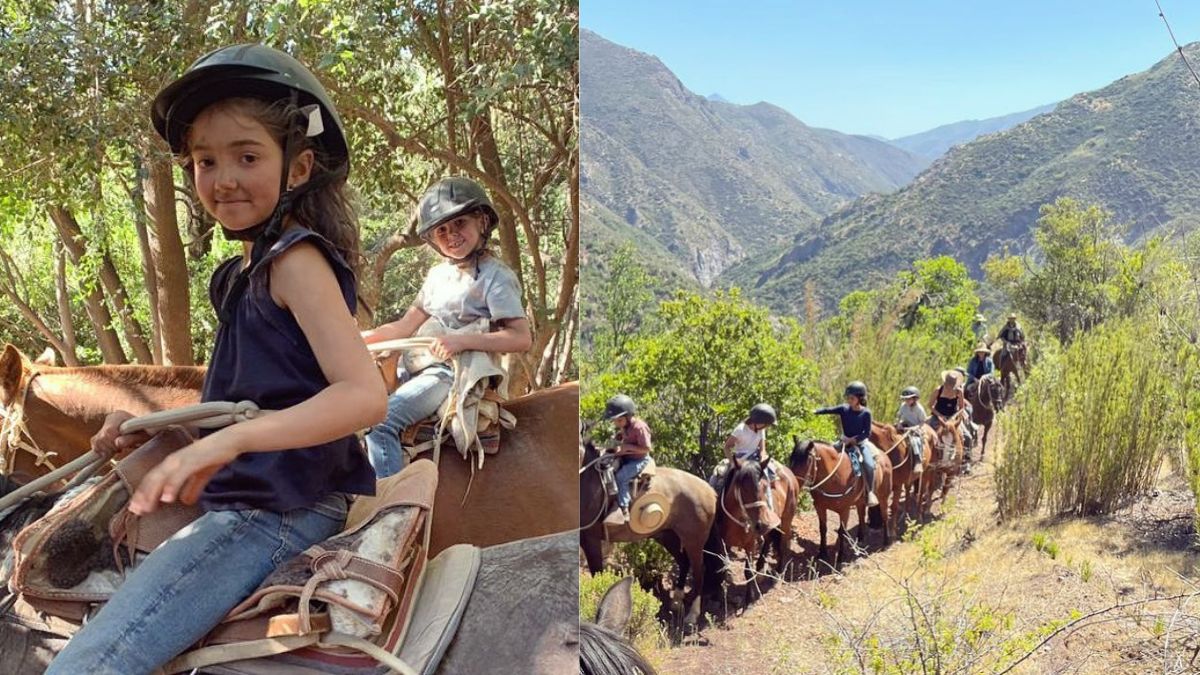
x=174, y=377
x=603, y=652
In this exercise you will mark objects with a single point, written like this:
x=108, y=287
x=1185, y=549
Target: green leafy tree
x=1074, y=283
x=697, y=366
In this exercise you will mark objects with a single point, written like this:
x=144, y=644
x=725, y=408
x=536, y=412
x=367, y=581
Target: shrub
x=644, y=631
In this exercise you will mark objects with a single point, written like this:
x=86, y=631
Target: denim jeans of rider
x=412, y=402
x=628, y=471
x=189, y=583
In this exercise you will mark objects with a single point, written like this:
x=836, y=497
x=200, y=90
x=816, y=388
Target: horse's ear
x=48, y=358
x=12, y=368
x=616, y=607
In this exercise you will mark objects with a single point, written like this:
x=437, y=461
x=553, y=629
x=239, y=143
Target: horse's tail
x=875, y=517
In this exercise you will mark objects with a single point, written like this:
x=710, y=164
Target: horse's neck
x=91, y=394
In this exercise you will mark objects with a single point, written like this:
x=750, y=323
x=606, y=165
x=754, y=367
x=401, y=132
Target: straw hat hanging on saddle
x=649, y=513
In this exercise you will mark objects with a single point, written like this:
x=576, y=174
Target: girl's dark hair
x=326, y=208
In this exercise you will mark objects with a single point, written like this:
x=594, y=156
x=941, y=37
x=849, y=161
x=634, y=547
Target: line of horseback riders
x=748, y=440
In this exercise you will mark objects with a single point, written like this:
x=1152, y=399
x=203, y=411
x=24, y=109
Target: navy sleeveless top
x=261, y=355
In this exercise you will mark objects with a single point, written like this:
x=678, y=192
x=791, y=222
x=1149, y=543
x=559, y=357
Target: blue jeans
x=628, y=470
x=190, y=582
x=867, y=454
x=412, y=402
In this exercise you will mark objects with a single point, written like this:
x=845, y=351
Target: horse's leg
x=590, y=542
x=670, y=541
x=860, y=508
x=694, y=550
x=822, y=514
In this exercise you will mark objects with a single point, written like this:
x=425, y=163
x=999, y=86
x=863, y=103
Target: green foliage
x=644, y=631
x=622, y=300
x=1090, y=426
x=698, y=365
x=905, y=333
x=1078, y=281
x=1043, y=543
x=646, y=560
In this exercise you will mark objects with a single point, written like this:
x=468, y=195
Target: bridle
x=15, y=435
x=745, y=508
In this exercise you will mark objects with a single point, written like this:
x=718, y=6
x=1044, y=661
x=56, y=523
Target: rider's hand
x=184, y=473
x=446, y=346
x=110, y=441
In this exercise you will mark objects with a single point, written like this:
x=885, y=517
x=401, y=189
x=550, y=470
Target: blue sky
x=896, y=67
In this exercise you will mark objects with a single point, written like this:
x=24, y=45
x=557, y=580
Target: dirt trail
x=974, y=594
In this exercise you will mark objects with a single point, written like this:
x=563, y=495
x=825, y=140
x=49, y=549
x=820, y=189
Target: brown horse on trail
x=939, y=462
x=746, y=522
x=827, y=474
x=897, y=446
x=524, y=491
x=1013, y=363
x=692, y=508
x=986, y=396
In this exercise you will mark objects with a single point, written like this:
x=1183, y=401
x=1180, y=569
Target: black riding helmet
x=618, y=406
x=857, y=388
x=450, y=198
x=762, y=414
x=909, y=392
x=249, y=71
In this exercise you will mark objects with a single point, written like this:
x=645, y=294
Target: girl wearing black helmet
x=456, y=218
x=856, y=431
x=748, y=441
x=265, y=150
x=633, y=446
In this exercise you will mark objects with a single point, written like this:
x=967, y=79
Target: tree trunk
x=148, y=266
x=170, y=266
x=110, y=345
x=10, y=286
x=64, y=306
x=76, y=243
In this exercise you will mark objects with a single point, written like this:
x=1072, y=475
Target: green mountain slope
x=1132, y=147
x=938, y=141
x=711, y=182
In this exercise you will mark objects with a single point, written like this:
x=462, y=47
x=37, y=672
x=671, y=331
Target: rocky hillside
x=711, y=182
x=938, y=141
x=1131, y=147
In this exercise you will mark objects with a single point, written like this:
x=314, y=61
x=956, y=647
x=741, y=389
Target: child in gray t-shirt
x=456, y=219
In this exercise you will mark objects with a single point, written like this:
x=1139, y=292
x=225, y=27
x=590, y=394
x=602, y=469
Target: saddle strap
x=335, y=565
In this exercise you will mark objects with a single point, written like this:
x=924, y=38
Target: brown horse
x=895, y=443
x=746, y=522
x=986, y=396
x=827, y=474
x=692, y=508
x=524, y=491
x=57, y=410
x=940, y=467
x=1013, y=363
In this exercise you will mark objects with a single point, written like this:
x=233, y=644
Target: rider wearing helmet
x=470, y=287
x=856, y=431
x=910, y=417
x=633, y=446
x=748, y=441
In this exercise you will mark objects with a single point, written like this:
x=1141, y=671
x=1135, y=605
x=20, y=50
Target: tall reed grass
x=1091, y=426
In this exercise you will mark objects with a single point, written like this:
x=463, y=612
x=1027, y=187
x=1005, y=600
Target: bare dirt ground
x=969, y=594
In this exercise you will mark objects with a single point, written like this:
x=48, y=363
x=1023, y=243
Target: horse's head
x=15, y=369
x=801, y=453
x=745, y=495
x=994, y=389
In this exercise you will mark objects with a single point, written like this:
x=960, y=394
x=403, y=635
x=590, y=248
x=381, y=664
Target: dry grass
x=969, y=595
